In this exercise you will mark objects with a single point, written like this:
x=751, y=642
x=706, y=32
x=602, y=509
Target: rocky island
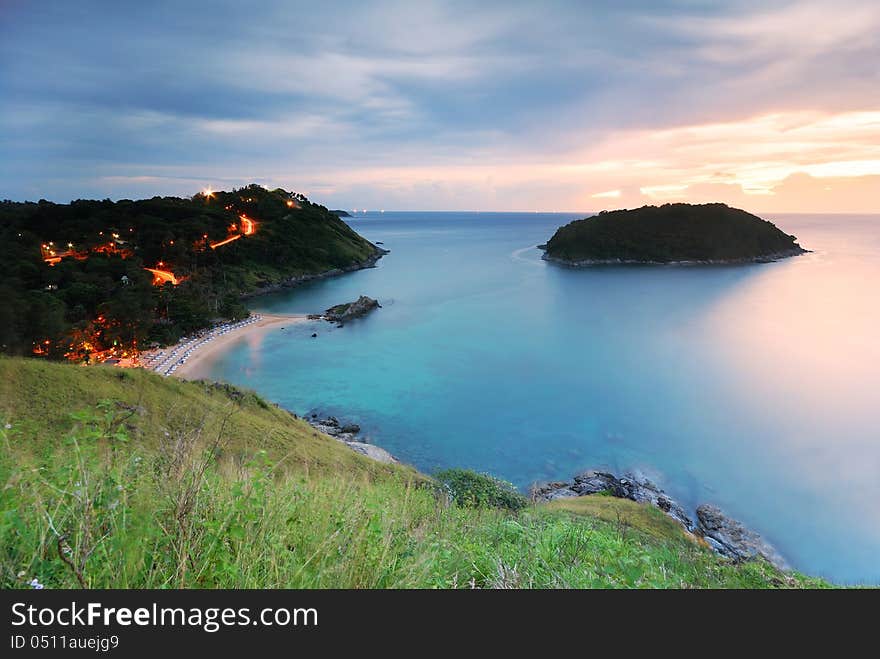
x=672, y=233
x=341, y=313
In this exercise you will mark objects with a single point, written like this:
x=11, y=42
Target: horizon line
x=484, y=210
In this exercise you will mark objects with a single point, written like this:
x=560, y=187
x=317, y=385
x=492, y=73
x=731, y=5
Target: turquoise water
x=753, y=387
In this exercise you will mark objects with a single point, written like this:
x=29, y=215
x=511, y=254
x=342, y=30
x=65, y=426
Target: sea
x=754, y=387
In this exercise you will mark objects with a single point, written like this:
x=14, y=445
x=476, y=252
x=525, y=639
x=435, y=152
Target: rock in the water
x=351, y=428
x=730, y=538
x=343, y=312
x=314, y=335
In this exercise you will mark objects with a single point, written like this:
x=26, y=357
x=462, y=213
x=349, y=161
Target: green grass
x=625, y=514
x=38, y=397
x=474, y=490
x=239, y=494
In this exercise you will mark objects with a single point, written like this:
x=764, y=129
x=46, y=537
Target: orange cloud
x=785, y=161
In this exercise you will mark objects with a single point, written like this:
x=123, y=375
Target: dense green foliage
x=124, y=479
x=105, y=277
x=672, y=232
x=471, y=489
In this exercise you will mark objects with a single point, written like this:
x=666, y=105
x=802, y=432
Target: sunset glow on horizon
x=431, y=106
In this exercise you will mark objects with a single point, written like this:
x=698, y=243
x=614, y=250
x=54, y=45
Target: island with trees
x=671, y=233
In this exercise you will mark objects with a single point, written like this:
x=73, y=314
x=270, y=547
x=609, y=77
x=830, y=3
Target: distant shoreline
x=765, y=258
x=291, y=282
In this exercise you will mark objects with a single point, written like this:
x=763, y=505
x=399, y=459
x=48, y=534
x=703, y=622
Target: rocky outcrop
x=634, y=487
x=342, y=313
x=730, y=538
x=725, y=535
x=347, y=434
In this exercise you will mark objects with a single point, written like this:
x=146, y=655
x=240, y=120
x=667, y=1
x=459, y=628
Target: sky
x=768, y=106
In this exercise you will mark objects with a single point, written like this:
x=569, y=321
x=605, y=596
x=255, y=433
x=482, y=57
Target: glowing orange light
x=225, y=242
x=208, y=192
x=162, y=276
x=248, y=227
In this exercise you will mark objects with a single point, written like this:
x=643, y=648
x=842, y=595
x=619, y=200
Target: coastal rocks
x=373, y=452
x=348, y=311
x=551, y=491
x=347, y=434
x=593, y=482
x=725, y=535
x=730, y=538
x=634, y=487
x=331, y=426
x=641, y=490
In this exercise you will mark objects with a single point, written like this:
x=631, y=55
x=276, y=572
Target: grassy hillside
x=672, y=232
x=122, y=479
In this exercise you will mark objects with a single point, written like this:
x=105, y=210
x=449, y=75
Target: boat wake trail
x=518, y=255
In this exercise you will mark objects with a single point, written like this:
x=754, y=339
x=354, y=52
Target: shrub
x=471, y=489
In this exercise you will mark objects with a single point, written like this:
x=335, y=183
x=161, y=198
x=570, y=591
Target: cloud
x=402, y=104
x=609, y=194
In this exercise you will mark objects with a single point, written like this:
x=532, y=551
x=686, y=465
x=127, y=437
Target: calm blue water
x=753, y=387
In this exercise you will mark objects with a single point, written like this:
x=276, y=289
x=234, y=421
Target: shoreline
x=205, y=353
x=208, y=343
x=292, y=282
x=584, y=263
x=182, y=359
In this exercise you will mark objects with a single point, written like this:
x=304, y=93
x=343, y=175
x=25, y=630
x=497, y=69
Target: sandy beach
x=199, y=351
